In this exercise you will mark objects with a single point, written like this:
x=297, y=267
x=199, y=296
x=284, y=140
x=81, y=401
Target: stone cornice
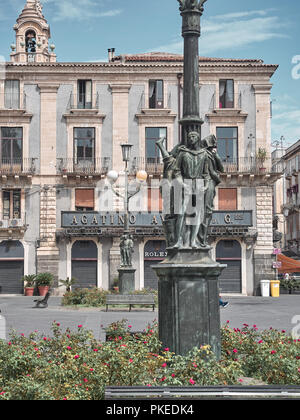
x=84, y=116
x=120, y=88
x=156, y=115
x=15, y=115
x=224, y=114
x=46, y=87
x=262, y=89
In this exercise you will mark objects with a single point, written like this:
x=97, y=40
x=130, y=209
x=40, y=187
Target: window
x=84, y=145
x=11, y=145
x=152, y=135
x=11, y=200
x=84, y=199
x=227, y=140
x=12, y=94
x=227, y=198
x=30, y=41
x=226, y=88
x=84, y=89
x=156, y=94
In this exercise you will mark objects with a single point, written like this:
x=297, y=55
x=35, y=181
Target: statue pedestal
x=188, y=301
x=126, y=280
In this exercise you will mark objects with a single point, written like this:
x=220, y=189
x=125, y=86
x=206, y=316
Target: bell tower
x=32, y=36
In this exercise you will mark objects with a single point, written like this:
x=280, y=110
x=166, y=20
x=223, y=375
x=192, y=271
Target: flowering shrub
x=270, y=355
x=75, y=366
x=88, y=297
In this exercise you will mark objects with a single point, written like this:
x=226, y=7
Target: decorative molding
x=156, y=116
x=262, y=89
x=120, y=88
x=15, y=116
x=224, y=114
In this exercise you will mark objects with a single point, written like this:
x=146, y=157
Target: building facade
x=291, y=202
x=62, y=125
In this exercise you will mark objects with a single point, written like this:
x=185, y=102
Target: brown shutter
x=227, y=199
x=84, y=198
x=155, y=202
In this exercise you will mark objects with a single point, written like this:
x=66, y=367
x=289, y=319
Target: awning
x=288, y=264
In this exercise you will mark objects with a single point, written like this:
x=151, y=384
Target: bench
x=130, y=300
x=42, y=302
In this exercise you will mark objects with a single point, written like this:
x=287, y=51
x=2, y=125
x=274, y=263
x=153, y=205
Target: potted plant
x=44, y=281
x=29, y=284
x=261, y=157
x=68, y=283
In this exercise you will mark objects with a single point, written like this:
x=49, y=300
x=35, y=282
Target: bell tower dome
x=32, y=36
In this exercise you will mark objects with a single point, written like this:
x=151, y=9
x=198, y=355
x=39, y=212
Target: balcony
x=251, y=165
x=83, y=102
x=153, y=166
x=13, y=228
x=17, y=167
x=85, y=167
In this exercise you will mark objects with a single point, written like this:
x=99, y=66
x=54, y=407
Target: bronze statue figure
x=126, y=248
x=191, y=174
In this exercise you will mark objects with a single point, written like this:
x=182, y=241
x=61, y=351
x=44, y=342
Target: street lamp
x=126, y=272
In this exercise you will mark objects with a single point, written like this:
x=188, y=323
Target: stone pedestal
x=188, y=301
x=126, y=280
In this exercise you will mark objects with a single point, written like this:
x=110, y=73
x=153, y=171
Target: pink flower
x=273, y=351
x=130, y=360
x=260, y=341
x=173, y=375
x=95, y=350
x=241, y=380
x=69, y=348
x=167, y=349
x=85, y=380
x=92, y=370
x=76, y=356
x=164, y=365
x=234, y=351
x=191, y=381
x=129, y=326
x=79, y=326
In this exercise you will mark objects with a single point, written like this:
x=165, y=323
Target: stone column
x=263, y=250
x=191, y=33
x=48, y=253
x=120, y=122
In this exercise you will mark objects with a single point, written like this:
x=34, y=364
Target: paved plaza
x=281, y=313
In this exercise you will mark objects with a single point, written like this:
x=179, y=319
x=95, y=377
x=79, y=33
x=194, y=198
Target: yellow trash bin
x=275, y=288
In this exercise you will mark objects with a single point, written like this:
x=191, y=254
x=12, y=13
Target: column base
x=126, y=280
x=188, y=301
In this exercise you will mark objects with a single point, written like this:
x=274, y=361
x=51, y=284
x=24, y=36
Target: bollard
x=2, y=328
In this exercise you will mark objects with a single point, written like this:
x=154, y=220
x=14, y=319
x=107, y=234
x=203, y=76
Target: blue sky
x=83, y=30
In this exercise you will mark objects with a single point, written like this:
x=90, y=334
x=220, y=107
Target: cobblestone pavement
x=281, y=313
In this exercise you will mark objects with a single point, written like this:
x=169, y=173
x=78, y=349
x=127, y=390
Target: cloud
x=231, y=31
x=80, y=10
x=286, y=114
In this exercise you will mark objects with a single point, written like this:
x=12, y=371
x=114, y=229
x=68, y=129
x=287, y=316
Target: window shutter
x=227, y=198
x=84, y=198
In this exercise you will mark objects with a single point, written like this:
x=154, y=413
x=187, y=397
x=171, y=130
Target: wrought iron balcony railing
x=96, y=166
x=231, y=166
x=83, y=101
x=17, y=166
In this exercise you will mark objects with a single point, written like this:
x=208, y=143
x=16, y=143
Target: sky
x=83, y=30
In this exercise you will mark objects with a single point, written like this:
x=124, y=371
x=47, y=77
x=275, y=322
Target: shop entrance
x=230, y=252
x=11, y=267
x=154, y=252
x=84, y=264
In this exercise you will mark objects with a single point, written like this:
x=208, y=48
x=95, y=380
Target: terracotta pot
x=43, y=290
x=28, y=291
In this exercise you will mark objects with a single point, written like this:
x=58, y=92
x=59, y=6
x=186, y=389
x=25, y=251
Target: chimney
x=113, y=54
x=109, y=55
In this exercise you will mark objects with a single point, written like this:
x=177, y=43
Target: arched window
x=30, y=41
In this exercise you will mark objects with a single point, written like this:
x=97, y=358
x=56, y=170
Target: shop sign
x=144, y=219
